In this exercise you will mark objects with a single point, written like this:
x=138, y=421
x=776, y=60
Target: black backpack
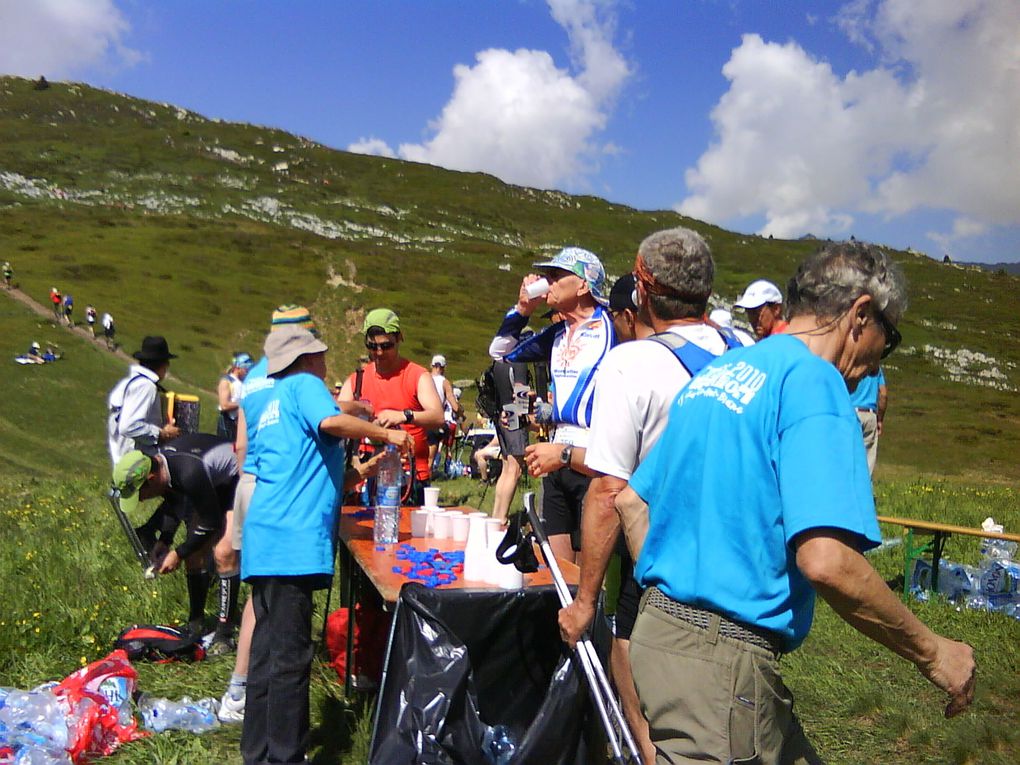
x=153, y=642
x=488, y=400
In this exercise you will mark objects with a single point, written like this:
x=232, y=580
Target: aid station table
x=939, y=533
x=363, y=565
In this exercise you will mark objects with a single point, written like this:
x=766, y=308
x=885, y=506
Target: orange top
x=399, y=391
x=778, y=327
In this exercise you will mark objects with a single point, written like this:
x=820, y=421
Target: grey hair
x=828, y=282
x=680, y=261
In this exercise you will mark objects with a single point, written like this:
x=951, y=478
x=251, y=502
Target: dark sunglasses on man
x=385, y=345
x=892, y=335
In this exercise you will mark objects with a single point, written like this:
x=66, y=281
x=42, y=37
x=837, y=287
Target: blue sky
x=892, y=120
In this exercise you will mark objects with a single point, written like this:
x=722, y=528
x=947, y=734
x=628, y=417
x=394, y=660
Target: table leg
x=347, y=601
x=912, y=553
x=937, y=545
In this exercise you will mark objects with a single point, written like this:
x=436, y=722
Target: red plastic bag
x=99, y=715
x=371, y=633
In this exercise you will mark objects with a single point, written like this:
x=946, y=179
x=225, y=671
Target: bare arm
x=346, y=426
x=634, y=520
x=241, y=443
x=883, y=402
x=600, y=528
x=450, y=397
x=223, y=394
x=544, y=458
x=856, y=592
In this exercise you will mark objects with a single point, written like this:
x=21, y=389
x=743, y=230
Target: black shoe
x=194, y=628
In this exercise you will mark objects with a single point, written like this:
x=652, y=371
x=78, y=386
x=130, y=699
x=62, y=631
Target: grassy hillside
x=196, y=229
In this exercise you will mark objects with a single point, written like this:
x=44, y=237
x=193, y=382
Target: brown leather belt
x=702, y=619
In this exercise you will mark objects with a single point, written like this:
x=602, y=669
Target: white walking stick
x=598, y=683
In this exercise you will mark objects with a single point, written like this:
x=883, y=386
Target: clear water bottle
x=34, y=719
x=163, y=714
x=387, y=501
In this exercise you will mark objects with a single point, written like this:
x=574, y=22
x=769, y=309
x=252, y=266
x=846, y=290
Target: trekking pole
x=148, y=568
x=598, y=684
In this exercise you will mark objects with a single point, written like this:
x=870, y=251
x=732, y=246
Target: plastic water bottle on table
x=388, y=489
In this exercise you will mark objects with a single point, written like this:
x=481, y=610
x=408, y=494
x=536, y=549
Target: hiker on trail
x=288, y=533
x=109, y=330
x=135, y=419
x=57, y=300
x=755, y=499
x=637, y=385
x=195, y=475
x=574, y=347
x=229, y=393
x=8, y=275
x=90, y=319
x=68, y=309
x=401, y=392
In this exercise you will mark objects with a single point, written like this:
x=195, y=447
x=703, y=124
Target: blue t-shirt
x=865, y=396
x=256, y=383
x=760, y=446
x=288, y=529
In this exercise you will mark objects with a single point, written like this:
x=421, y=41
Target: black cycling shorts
x=512, y=443
x=562, y=496
x=630, y=596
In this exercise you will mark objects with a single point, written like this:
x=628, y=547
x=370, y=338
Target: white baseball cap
x=722, y=317
x=439, y=360
x=758, y=294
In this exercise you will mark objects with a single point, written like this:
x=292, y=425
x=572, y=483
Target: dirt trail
x=81, y=330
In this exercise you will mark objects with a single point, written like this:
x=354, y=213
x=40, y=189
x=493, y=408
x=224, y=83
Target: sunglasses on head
x=892, y=335
x=385, y=345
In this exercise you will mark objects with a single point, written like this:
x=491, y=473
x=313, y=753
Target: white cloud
x=517, y=115
x=374, y=146
x=934, y=126
x=57, y=38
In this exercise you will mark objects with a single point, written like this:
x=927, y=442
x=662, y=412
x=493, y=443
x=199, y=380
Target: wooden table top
x=945, y=528
x=356, y=534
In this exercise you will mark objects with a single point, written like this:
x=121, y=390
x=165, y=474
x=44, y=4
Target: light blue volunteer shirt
x=866, y=394
x=288, y=529
x=255, y=381
x=760, y=446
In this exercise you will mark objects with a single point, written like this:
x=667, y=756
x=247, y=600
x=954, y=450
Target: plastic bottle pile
x=992, y=585
x=163, y=714
x=432, y=567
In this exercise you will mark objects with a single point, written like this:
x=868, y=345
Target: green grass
x=77, y=587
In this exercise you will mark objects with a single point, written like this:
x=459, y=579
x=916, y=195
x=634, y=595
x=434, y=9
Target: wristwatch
x=565, y=454
x=408, y=415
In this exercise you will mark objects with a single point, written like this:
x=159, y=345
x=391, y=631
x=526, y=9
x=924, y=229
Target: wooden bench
x=939, y=533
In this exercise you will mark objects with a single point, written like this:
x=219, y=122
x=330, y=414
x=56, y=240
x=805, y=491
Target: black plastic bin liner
x=461, y=661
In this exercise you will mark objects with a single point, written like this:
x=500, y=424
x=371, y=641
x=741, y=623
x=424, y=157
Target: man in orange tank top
x=400, y=392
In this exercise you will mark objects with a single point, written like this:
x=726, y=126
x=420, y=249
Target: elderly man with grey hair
x=636, y=385
x=755, y=499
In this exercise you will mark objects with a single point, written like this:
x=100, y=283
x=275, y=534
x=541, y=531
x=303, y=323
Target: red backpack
x=152, y=642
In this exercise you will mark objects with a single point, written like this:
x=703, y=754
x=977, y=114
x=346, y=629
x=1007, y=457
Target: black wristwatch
x=409, y=415
x=568, y=450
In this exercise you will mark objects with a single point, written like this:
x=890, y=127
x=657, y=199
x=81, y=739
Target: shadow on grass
x=342, y=728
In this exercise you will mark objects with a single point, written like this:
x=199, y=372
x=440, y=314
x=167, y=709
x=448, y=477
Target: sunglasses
x=892, y=335
x=385, y=345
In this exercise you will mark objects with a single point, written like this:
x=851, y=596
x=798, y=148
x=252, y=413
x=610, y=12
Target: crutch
x=598, y=684
x=148, y=569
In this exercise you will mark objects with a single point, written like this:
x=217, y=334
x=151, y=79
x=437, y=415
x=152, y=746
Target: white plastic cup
x=537, y=289
x=459, y=525
x=431, y=496
x=419, y=523
x=441, y=525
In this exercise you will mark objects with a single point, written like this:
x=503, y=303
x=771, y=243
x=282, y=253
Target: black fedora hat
x=154, y=348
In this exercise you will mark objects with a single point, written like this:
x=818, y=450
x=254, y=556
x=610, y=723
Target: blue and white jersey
x=573, y=356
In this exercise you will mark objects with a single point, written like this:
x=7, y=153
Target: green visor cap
x=130, y=472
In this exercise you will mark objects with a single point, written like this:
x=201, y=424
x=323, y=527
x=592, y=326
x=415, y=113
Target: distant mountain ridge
x=196, y=229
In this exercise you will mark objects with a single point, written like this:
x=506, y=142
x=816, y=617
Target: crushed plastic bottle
x=160, y=714
x=35, y=719
x=387, y=511
x=31, y=755
x=498, y=745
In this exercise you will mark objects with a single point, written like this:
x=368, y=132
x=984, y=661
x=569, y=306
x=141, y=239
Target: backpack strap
x=693, y=357
x=359, y=377
x=730, y=338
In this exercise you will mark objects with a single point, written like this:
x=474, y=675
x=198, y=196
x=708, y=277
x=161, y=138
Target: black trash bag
x=463, y=661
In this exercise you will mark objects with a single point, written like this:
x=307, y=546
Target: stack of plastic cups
x=475, y=561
